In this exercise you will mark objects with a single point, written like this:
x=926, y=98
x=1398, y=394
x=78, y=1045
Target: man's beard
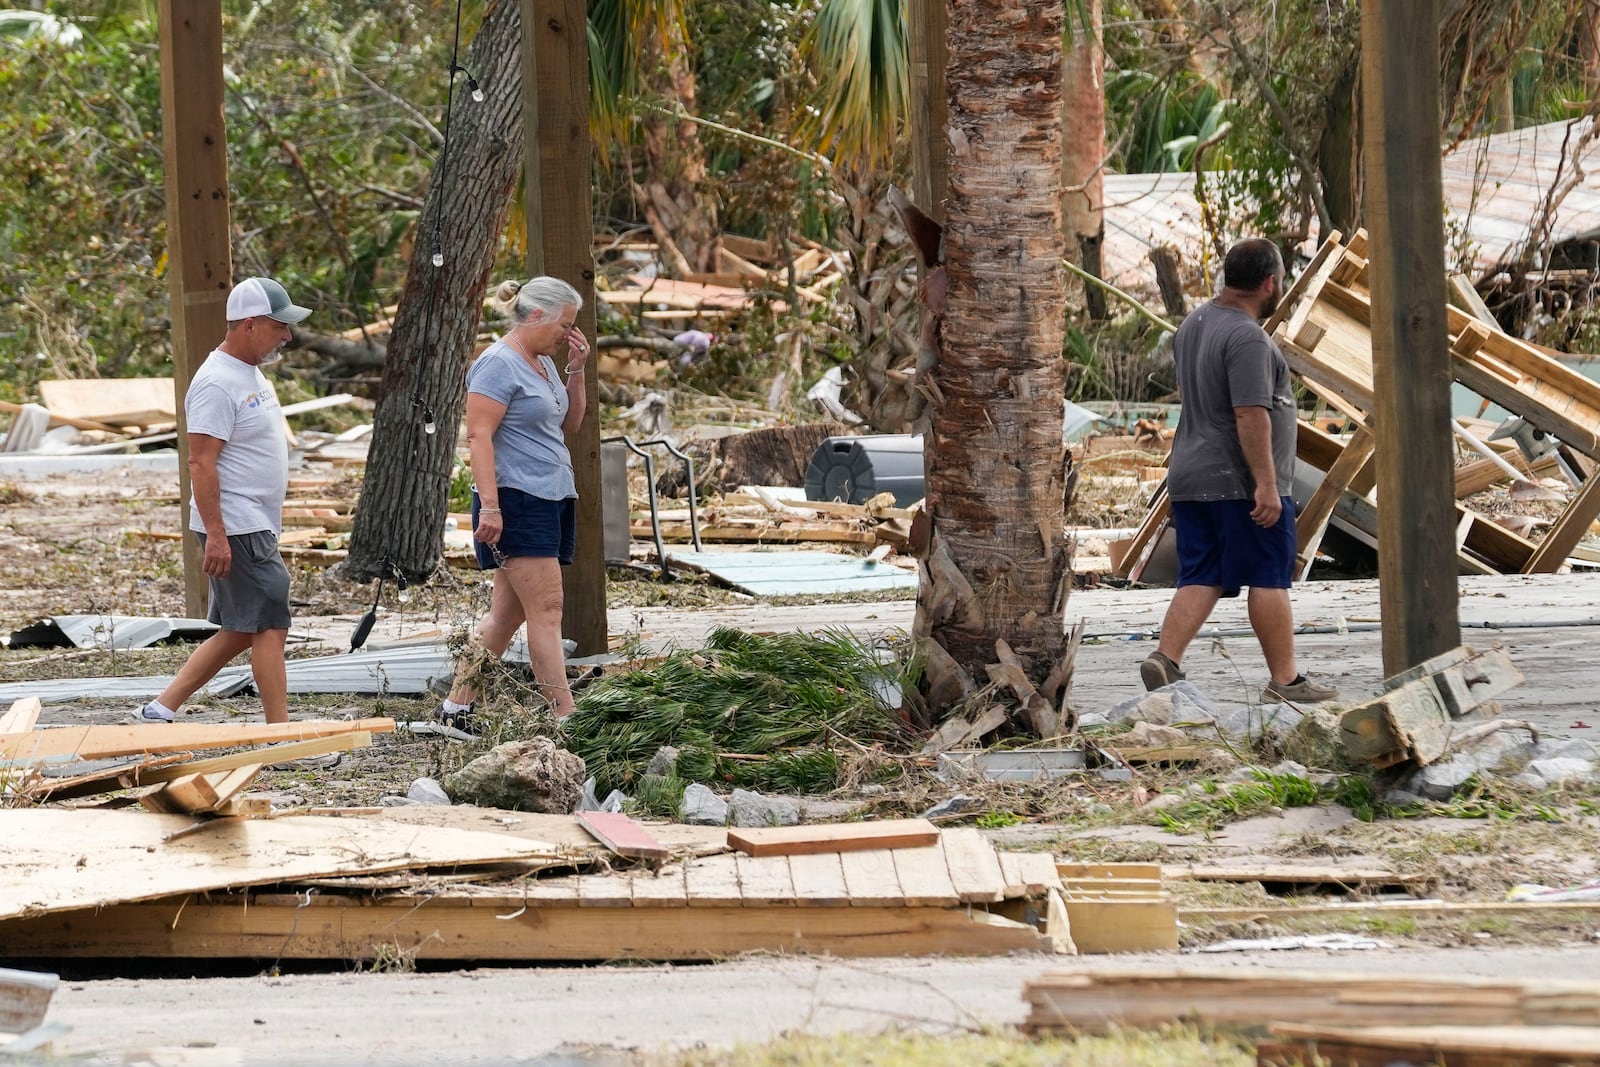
x=271, y=357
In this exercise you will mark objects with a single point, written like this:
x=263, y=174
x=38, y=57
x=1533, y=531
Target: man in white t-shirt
x=238, y=476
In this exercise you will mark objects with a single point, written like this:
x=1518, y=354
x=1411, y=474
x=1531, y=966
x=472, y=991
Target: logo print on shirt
x=258, y=399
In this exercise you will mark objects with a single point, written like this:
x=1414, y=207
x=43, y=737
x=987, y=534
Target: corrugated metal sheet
x=1494, y=189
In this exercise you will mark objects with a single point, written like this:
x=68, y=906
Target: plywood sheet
x=118, y=401
x=137, y=739
x=58, y=859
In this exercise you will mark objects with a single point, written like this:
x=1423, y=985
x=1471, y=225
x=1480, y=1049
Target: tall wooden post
x=199, y=258
x=1410, y=333
x=555, y=109
x=928, y=26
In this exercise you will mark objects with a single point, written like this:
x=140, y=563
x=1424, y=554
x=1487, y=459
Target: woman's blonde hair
x=546, y=295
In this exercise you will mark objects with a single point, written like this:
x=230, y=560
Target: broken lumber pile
x=1253, y=999
x=1323, y=327
x=106, y=885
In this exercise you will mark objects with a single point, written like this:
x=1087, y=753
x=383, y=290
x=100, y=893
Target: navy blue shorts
x=1218, y=545
x=529, y=526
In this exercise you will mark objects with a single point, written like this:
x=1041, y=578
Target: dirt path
x=525, y=1015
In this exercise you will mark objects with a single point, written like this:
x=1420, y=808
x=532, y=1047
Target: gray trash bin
x=856, y=469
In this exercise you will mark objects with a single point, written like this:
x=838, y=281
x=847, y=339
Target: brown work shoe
x=1305, y=691
x=1157, y=670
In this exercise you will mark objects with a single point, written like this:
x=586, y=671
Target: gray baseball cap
x=263, y=296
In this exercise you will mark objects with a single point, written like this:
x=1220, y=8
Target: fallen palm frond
x=788, y=698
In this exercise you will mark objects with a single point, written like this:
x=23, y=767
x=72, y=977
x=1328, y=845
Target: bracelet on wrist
x=493, y=510
x=572, y=370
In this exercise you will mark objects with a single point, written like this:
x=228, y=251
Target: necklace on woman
x=523, y=352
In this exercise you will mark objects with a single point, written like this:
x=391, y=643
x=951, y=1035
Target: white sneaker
x=150, y=713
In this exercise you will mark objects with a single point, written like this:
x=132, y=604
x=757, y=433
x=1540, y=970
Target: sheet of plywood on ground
x=105, y=742
x=507, y=927
x=1093, y=1001
x=118, y=401
x=1450, y=1046
x=974, y=866
x=60, y=859
x=834, y=837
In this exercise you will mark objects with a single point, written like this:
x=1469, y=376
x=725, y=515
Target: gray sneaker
x=1305, y=691
x=1157, y=670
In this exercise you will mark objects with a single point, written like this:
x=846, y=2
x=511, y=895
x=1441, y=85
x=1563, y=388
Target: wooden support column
x=199, y=258
x=1410, y=332
x=555, y=110
x=929, y=22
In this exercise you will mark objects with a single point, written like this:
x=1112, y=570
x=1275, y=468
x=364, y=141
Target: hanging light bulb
x=477, y=93
x=403, y=591
x=438, y=258
x=429, y=427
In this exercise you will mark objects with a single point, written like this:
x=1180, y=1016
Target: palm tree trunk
x=400, y=517
x=676, y=194
x=995, y=569
x=1083, y=150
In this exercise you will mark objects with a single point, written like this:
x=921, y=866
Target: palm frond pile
x=770, y=713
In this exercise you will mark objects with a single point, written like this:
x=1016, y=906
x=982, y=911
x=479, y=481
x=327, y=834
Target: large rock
x=531, y=775
x=1559, y=770
x=1439, y=781
x=753, y=809
x=1180, y=702
x=702, y=807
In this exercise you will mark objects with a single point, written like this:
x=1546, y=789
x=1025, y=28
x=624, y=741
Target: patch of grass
x=997, y=820
x=1379, y=925
x=1172, y=1047
x=1230, y=803
x=768, y=713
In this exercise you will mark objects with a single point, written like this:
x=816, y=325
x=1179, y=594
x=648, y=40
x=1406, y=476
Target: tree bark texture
x=676, y=197
x=995, y=571
x=400, y=516
x=1083, y=152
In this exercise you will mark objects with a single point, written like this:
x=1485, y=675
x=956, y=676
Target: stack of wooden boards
x=1347, y=1019
x=1323, y=326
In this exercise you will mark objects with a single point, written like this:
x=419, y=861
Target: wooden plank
x=974, y=867
x=58, y=420
x=189, y=794
x=622, y=835
x=117, y=401
x=24, y=998
x=605, y=891
x=104, y=742
x=1137, y=872
x=819, y=880
x=511, y=928
x=713, y=882
x=1563, y=537
x=1451, y=1046
x=23, y=715
x=1252, y=997
x=834, y=837
x=925, y=877
x=1405, y=907
x=58, y=859
x=1028, y=874
x=765, y=880
x=1313, y=519
x=676, y=531
x=1147, y=535
x=871, y=880
x=1334, y=877
x=166, y=768
x=1112, y=926
x=665, y=888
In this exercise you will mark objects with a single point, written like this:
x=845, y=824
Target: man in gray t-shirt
x=1230, y=475
x=238, y=474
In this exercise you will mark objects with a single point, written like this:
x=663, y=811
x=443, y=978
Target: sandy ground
x=546, y=1015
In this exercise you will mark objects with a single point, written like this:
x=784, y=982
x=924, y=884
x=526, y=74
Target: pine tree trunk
x=995, y=569
x=400, y=516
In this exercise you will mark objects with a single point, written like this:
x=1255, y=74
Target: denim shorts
x=254, y=597
x=1219, y=545
x=529, y=526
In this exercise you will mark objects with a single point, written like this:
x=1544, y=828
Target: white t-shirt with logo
x=232, y=401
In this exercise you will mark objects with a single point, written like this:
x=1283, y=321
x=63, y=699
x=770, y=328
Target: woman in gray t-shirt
x=520, y=406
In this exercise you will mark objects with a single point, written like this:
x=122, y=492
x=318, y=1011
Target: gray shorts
x=255, y=594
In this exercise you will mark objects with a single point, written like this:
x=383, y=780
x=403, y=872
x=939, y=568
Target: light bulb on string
x=402, y=591
x=477, y=93
x=438, y=258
